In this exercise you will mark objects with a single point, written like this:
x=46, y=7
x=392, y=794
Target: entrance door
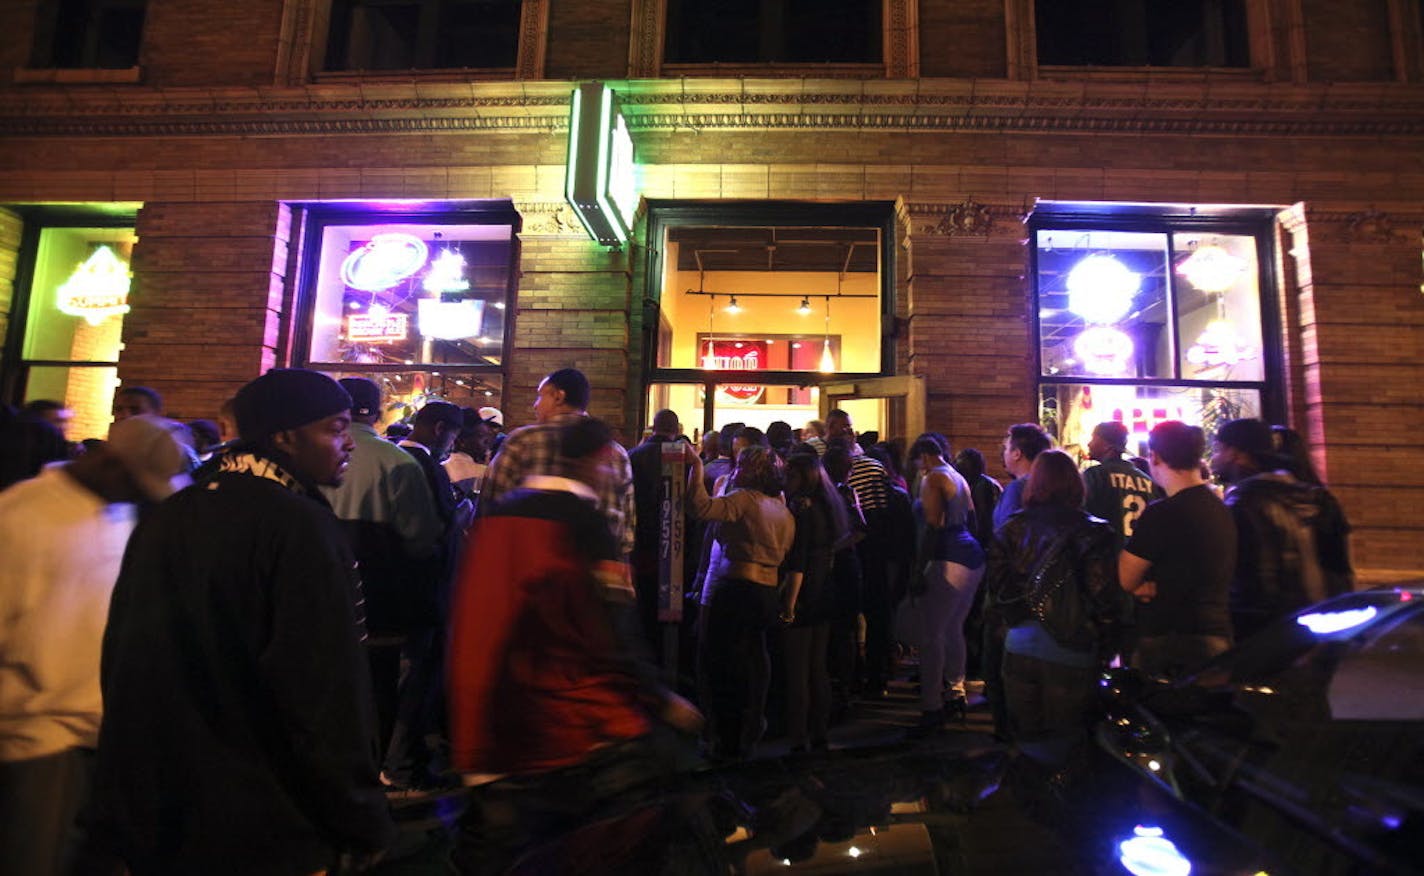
x=897, y=404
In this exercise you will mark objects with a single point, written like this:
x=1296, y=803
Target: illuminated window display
x=418, y=305
x=1145, y=318
x=77, y=300
x=797, y=304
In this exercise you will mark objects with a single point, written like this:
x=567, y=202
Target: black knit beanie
x=286, y=398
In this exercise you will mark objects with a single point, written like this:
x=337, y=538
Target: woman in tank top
x=953, y=566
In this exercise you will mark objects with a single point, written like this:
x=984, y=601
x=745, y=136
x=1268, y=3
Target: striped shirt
x=870, y=482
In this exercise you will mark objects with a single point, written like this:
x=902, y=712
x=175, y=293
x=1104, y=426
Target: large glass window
x=773, y=31
x=1143, y=318
x=1142, y=33
x=785, y=303
x=418, y=304
x=78, y=295
x=423, y=34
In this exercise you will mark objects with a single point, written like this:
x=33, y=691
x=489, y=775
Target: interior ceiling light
x=1211, y=268
x=805, y=307
x=733, y=306
x=1101, y=288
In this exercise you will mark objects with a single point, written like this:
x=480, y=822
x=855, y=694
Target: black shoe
x=930, y=723
x=957, y=707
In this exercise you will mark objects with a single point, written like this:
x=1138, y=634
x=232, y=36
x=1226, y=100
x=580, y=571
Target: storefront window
x=783, y=305
x=419, y=305
x=77, y=299
x=1144, y=317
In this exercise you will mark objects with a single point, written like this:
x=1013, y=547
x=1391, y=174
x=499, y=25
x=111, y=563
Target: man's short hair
x=753, y=436
x=970, y=463
x=574, y=386
x=1179, y=446
x=584, y=437
x=837, y=414
x=1251, y=437
x=440, y=412
x=726, y=434
x=155, y=401
x=665, y=422
x=1113, y=432
x=1029, y=439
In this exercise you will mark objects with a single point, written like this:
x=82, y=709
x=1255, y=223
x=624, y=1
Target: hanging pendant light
x=733, y=306
x=828, y=362
x=805, y=308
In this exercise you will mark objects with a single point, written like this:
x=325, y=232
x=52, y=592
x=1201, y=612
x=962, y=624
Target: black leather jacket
x=1292, y=548
x=1088, y=561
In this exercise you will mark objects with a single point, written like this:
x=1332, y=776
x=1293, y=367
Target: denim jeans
x=948, y=596
x=808, y=683
x=1049, y=705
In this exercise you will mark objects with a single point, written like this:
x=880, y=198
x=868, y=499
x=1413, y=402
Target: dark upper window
x=88, y=33
x=773, y=31
x=422, y=34
x=1142, y=33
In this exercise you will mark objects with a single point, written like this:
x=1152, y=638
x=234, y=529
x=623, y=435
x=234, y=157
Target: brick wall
x=211, y=42
x=572, y=313
x=962, y=38
x=1361, y=343
x=1348, y=42
x=588, y=39
x=207, y=298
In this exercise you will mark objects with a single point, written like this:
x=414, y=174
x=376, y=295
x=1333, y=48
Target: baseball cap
x=156, y=451
x=365, y=395
x=492, y=415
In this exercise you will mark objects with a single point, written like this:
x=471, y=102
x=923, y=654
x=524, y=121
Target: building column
x=970, y=325
x=209, y=297
x=1360, y=337
x=572, y=311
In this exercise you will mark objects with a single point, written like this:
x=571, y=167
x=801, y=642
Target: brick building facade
x=230, y=129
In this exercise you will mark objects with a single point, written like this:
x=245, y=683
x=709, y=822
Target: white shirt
x=61, y=547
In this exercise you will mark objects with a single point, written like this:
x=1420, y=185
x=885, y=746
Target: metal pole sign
x=672, y=532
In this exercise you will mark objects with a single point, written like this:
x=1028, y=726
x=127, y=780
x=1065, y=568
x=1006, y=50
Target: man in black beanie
x=1292, y=537
x=238, y=732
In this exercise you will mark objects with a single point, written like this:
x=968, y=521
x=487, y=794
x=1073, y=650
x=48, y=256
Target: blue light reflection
x=1323, y=623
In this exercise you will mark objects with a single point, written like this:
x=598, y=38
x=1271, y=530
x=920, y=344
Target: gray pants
x=948, y=596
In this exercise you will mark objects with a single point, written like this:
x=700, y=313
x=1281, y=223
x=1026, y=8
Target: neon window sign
x=98, y=288
x=599, y=176
x=384, y=261
x=377, y=327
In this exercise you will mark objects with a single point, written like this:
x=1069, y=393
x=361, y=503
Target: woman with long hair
x=1054, y=577
x=808, y=602
x=739, y=598
x=952, y=564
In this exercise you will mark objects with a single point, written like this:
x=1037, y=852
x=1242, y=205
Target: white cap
x=492, y=415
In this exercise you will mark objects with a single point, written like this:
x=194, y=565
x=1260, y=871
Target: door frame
x=908, y=387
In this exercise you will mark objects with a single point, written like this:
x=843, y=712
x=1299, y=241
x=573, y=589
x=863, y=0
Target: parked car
x=1307, y=740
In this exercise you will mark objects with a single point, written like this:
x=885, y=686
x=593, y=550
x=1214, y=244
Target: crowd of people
x=228, y=646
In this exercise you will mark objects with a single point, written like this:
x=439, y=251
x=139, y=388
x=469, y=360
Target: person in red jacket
x=552, y=709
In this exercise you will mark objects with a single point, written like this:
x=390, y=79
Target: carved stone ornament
x=1370, y=226
x=555, y=220
x=969, y=218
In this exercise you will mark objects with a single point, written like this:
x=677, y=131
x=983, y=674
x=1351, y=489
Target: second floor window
x=774, y=31
x=1142, y=33
x=104, y=34
x=423, y=34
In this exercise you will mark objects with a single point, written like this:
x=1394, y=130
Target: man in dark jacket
x=1293, y=539
x=238, y=732
x=647, y=462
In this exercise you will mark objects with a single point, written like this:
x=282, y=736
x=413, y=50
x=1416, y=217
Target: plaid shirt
x=534, y=450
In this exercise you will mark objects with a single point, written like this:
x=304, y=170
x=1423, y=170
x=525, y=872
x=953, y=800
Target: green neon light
x=599, y=180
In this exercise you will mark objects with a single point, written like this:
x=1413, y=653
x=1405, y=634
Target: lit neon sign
x=447, y=273
x=98, y=288
x=599, y=176
x=377, y=328
x=384, y=261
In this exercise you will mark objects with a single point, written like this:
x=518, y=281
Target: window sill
x=77, y=76
x=1160, y=74
x=453, y=74
x=776, y=71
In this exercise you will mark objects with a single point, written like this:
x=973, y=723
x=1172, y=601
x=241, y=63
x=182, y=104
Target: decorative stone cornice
x=549, y=219
x=663, y=105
